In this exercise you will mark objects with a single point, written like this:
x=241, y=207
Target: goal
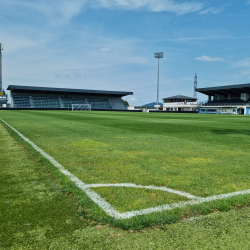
x=81, y=107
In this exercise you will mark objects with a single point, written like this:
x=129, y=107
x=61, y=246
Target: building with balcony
x=179, y=103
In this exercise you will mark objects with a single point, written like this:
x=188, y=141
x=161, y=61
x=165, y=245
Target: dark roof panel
x=239, y=88
x=179, y=97
x=18, y=88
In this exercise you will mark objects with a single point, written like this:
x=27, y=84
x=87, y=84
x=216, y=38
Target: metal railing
x=224, y=104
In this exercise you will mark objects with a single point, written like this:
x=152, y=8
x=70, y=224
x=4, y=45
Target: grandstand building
x=41, y=97
x=230, y=99
x=179, y=103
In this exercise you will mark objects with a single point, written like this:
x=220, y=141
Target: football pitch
x=140, y=169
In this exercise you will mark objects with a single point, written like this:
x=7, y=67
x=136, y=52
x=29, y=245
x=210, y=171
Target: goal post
x=81, y=107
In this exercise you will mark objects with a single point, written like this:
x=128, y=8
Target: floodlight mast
x=158, y=55
x=1, y=48
x=195, y=86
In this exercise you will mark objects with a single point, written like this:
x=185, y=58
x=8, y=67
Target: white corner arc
x=108, y=208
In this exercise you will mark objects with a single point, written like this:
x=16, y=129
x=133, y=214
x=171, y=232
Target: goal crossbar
x=81, y=107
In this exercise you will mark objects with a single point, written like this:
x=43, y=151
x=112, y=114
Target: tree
x=126, y=103
x=4, y=93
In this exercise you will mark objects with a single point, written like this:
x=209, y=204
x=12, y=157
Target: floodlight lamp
x=1, y=46
x=159, y=54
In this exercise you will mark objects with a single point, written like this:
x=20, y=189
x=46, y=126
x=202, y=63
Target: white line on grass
x=92, y=195
x=189, y=196
x=111, y=211
x=165, y=207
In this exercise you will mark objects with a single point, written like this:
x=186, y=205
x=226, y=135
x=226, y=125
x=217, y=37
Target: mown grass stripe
x=107, y=206
x=92, y=195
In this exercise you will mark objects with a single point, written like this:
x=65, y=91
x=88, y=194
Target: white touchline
x=92, y=195
x=108, y=208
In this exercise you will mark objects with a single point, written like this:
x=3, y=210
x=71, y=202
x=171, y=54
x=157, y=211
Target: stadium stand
x=230, y=99
x=21, y=101
x=225, y=102
x=40, y=97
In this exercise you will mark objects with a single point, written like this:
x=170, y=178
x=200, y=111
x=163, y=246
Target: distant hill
x=152, y=104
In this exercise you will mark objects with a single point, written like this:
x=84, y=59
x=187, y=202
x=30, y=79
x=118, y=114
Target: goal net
x=81, y=107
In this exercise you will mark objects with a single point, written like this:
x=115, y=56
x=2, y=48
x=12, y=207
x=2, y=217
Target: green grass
x=32, y=207
x=138, y=199
x=36, y=215
x=203, y=155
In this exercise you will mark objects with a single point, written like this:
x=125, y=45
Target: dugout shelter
x=43, y=97
x=230, y=99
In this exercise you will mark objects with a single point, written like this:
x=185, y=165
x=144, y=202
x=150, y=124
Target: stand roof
x=228, y=89
x=45, y=90
x=179, y=97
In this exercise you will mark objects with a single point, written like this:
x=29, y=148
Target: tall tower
x=1, y=48
x=195, y=86
x=158, y=55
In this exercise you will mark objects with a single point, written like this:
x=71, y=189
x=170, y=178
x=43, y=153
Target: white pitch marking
x=91, y=194
x=190, y=196
x=165, y=207
x=107, y=206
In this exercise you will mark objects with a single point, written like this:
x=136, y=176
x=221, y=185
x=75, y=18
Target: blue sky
x=110, y=44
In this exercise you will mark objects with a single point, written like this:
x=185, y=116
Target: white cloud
x=16, y=42
x=154, y=6
x=68, y=9
x=22, y=37
x=105, y=49
x=59, y=8
x=246, y=72
x=59, y=12
x=211, y=10
x=69, y=73
x=245, y=63
x=200, y=38
x=56, y=11
x=133, y=99
x=79, y=72
x=209, y=59
x=248, y=2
